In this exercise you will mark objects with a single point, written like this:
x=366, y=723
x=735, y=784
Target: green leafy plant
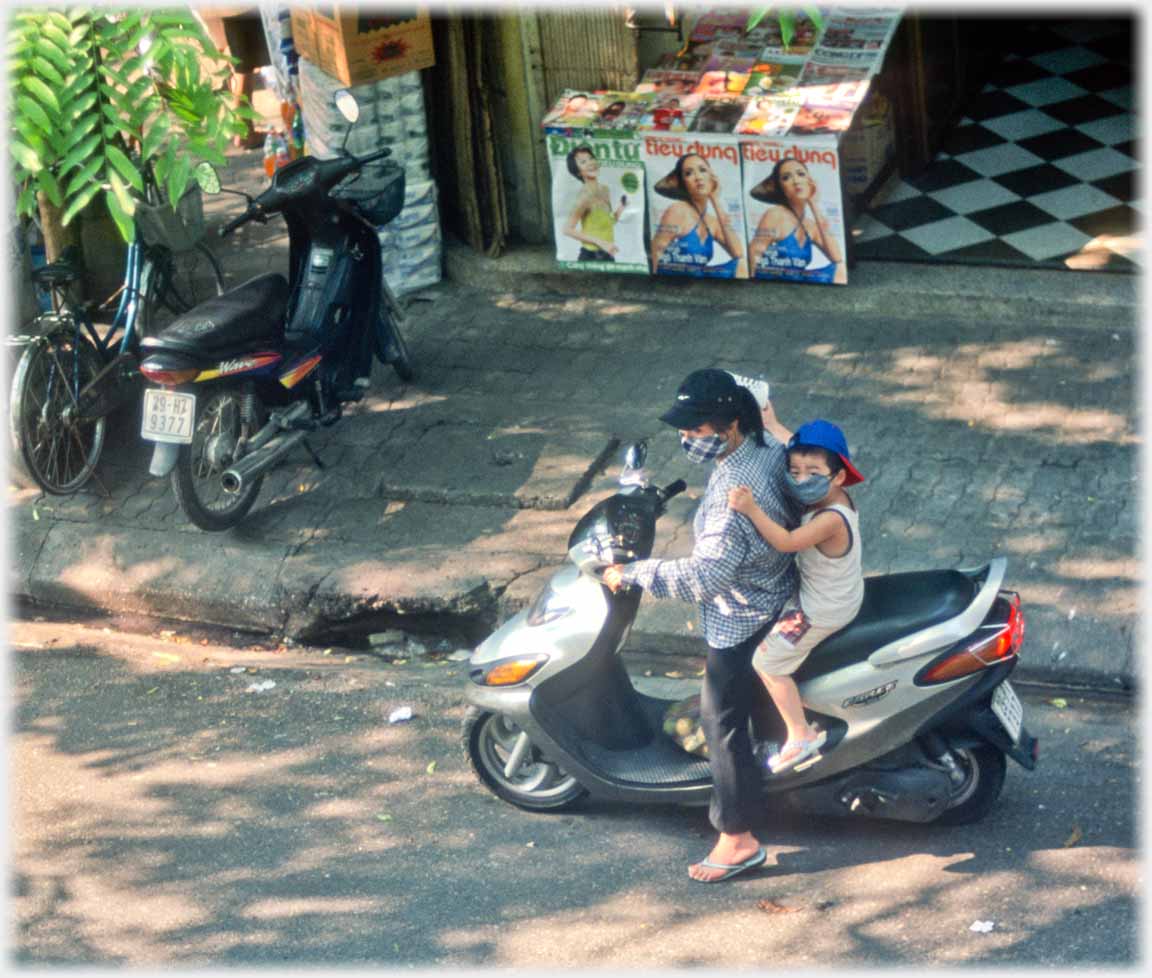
x=100, y=94
x=787, y=18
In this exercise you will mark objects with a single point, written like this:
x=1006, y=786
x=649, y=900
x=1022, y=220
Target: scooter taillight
x=994, y=643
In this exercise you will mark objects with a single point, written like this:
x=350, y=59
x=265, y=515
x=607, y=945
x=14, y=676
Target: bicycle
x=74, y=372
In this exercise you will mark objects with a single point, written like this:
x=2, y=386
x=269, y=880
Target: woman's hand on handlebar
x=614, y=577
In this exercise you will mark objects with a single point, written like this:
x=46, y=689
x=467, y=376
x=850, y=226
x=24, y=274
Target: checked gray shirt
x=738, y=580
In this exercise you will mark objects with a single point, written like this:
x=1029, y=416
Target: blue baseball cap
x=824, y=434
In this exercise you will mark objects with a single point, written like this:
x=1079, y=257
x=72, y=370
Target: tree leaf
x=44, y=95
x=79, y=202
x=82, y=154
x=57, y=35
x=80, y=131
x=46, y=69
x=154, y=136
x=46, y=49
x=755, y=17
x=178, y=177
x=124, y=222
x=787, y=26
x=124, y=166
x=51, y=188
x=120, y=191
x=31, y=109
x=85, y=175
x=26, y=202
x=25, y=156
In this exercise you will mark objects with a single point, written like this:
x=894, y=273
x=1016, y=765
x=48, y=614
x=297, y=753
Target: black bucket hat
x=704, y=395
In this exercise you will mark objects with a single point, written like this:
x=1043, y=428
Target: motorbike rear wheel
x=493, y=742
x=196, y=480
x=984, y=770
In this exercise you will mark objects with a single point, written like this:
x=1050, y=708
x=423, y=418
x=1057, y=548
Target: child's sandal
x=795, y=751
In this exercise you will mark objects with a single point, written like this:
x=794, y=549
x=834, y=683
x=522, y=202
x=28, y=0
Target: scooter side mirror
x=633, y=473
x=347, y=104
x=206, y=177
x=636, y=455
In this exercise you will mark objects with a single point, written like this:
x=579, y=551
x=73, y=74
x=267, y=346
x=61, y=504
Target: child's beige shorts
x=788, y=644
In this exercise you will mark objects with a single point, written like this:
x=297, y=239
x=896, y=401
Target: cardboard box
x=358, y=46
x=867, y=145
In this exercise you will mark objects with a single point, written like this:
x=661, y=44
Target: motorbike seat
x=248, y=316
x=895, y=605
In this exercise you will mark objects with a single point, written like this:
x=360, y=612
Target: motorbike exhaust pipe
x=255, y=465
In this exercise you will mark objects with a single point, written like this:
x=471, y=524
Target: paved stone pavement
x=979, y=435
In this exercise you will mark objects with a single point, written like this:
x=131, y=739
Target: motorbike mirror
x=206, y=177
x=633, y=473
x=347, y=104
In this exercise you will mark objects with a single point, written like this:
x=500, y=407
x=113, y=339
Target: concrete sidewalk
x=993, y=411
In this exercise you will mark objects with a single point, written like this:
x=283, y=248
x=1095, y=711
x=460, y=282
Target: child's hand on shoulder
x=740, y=498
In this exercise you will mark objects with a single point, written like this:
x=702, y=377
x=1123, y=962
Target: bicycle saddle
x=252, y=314
x=894, y=605
x=65, y=269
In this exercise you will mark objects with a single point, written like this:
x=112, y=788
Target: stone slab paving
x=1014, y=435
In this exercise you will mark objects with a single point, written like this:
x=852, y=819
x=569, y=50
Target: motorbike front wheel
x=984, y=769
x=196, y=480
x=512, y=767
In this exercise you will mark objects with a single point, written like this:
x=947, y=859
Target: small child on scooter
x=827, y=548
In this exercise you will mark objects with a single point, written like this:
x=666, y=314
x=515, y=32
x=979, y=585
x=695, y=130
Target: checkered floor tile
x=1043, y=168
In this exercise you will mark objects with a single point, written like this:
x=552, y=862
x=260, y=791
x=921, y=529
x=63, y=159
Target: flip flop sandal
x=733, y=869
x=795, y=751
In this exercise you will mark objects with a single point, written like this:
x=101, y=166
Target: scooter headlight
x=548, y=607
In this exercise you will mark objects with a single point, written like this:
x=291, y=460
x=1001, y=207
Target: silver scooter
x=913, y=694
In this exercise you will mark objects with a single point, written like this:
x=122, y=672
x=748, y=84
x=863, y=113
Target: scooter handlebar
x=251, y=214
x=673, y=489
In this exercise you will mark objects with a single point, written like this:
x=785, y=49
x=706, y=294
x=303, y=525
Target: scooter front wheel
x=512, y=767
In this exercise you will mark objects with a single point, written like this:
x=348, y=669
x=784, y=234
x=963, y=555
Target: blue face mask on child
x=703, y=449
x=811, y=490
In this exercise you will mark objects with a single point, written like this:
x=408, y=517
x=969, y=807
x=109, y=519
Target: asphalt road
x=166, y=813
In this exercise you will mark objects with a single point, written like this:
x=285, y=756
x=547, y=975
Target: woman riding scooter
x=740, y=585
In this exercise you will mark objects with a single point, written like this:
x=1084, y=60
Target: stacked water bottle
x=392, y=115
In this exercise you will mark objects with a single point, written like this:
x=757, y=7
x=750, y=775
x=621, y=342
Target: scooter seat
x=895, y=605
x=250, y=315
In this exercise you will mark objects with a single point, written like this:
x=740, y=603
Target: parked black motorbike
x=243, y=378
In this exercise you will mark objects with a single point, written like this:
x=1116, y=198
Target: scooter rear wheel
x=984, y=768
x=494, y=743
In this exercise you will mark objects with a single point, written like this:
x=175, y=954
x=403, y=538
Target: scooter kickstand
x=312, y=452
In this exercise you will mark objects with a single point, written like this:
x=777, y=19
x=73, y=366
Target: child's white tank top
x=832, y=588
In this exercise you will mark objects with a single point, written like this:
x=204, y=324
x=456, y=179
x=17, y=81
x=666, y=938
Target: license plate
x=168, y=416
x=1009, y=711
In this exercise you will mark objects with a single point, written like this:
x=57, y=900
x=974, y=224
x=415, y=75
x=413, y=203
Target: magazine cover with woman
x=794, y=211
x=598, y=203
x=695, y=196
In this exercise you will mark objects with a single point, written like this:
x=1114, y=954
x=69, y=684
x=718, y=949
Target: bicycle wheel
x=56, y=447
x=180, y=281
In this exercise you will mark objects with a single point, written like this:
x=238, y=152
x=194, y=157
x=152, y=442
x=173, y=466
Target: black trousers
x=732, y=693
